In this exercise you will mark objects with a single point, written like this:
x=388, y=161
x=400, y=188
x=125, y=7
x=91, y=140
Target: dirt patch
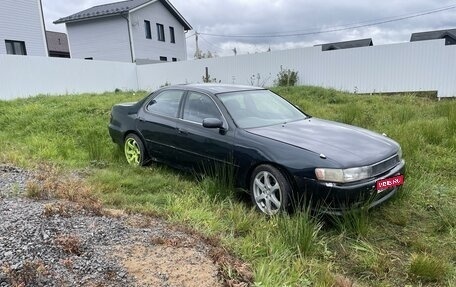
x=162, y=265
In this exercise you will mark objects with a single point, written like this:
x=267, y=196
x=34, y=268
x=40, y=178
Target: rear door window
x=166, y=103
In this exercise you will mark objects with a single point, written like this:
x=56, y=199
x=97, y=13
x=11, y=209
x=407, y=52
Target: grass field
x=410, y=241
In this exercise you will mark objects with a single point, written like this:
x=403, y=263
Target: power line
x=204, y=39
x=210, y=44
x=190, y=36
x=336, y=29
x=357, y=23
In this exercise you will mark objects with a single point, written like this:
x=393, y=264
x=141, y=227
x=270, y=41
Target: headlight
x=343, y=175
x=399, y=153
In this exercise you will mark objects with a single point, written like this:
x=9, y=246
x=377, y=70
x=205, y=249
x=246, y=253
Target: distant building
x=57, y=44
x=347, y=44
x=448, y=35
x=141, y=31
x=22, y=28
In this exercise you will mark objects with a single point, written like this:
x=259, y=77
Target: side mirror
x=212, y=123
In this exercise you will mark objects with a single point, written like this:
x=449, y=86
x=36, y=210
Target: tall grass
x=218, y=180
x=354, y=222
x=299, y=232
x=428, y=268
x=384, y=247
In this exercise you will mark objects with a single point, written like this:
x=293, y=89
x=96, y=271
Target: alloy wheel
x=132, y=151
x=267, y=193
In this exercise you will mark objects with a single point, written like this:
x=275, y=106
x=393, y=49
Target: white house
x=22, y=28
x=141, y=31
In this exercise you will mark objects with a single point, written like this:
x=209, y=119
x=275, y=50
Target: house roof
x=431, y=35
x=54, y=44
x=347, y=44
x=118, y=8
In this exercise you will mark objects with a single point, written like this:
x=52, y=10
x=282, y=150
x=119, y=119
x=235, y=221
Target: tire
x=270, y=190
x=134, y=151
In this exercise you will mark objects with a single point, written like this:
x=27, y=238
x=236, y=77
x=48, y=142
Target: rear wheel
x=134, y=150
x=270, y=190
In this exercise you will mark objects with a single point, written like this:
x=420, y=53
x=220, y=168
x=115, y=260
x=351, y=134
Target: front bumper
x=331, y=198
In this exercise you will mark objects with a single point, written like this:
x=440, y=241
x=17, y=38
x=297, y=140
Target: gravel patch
x=13, y=180
x=55, y=243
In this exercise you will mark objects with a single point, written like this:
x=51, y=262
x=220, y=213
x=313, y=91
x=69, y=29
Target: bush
x=31, y=273
x=286, y=78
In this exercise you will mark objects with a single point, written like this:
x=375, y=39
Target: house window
x=147, y=29
x=171, y=34
x=160, y=32
x=174, y=60
x=15, y=47
x=164, y=59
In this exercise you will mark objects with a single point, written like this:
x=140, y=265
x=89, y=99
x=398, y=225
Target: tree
x=200, y=55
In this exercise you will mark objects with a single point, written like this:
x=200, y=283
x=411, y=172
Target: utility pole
x=197, y=53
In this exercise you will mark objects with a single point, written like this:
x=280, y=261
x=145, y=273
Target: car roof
x=215, y=88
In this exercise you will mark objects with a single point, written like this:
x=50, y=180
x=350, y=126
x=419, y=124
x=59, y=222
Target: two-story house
x=22, y=28
x=141, y=31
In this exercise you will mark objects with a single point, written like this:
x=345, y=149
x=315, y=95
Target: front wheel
x=135, y=152
x=270, y=190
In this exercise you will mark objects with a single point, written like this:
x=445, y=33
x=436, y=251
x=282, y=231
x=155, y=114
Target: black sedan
x=279, y=153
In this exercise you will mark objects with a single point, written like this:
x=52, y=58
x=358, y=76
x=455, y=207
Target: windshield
x=257, y=108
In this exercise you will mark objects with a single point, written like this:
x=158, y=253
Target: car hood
x=348, y=145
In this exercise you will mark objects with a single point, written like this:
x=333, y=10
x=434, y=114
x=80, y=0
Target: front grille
x=385, y=165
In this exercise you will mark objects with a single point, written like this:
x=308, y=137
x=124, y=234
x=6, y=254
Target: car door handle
x=182, y=131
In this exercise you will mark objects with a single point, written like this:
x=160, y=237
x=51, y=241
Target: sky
x=265, y=24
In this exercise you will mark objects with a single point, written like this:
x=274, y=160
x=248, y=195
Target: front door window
x=199, y=107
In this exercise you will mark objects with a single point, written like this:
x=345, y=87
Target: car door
x=157, y=122
x=203, y=147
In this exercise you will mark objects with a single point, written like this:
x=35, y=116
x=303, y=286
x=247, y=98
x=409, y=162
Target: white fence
x=29, y=76
x=416, y=66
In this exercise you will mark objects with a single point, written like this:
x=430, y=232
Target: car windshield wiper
x=294, y=120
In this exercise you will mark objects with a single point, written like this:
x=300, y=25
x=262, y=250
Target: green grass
x=353, y=222
x=428, y=268
x=397, y=244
